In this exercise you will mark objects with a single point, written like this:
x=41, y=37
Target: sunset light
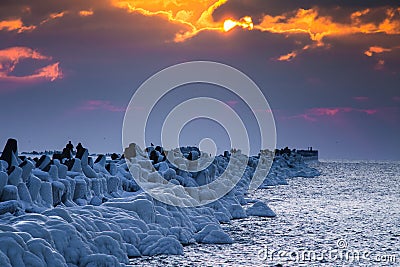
x=229, y=25
x=196, y=17
x=245, y=23
x=199, y=133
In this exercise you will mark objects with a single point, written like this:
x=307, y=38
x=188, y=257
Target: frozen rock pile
x=287, y=166
x=75, y=211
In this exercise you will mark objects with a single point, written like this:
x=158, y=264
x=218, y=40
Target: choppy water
x=348, y=216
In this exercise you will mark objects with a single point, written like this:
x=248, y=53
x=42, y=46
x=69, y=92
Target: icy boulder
x=43, y=162
x=80, y=188
x=260, y=209
x=87, y=170
x=34, y=185
x=10, y=206
x=107, y=245
x=237, y=211
x=43, y=251
x=99, y=260
x=10, y=192
x=27, y=167
x=3, y=180
x=142, y=207
x=15, y=175
x=213, y=234
x=23, y=193
x=15, y=252
x=157, y=244
x=46, y=194
x=53, y=172
x=183, y=234
x=58, y=189
x=76, y=166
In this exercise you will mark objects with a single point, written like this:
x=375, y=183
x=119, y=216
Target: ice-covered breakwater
x=75, y=211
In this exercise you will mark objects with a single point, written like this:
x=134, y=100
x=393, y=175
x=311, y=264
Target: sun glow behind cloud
x=197, y=16
x=245, y=22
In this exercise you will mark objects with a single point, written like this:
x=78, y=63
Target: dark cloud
x=340, y=10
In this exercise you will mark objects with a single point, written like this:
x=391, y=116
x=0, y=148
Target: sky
x=330, y=70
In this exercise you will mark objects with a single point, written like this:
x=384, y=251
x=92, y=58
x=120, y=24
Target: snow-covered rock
x=212, y=233
x=15, y=176
x=10, y=192
x=3, y=181
x=73, y=212
x=260, y=209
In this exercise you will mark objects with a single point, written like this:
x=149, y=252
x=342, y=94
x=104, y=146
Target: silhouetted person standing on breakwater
x=70, y=147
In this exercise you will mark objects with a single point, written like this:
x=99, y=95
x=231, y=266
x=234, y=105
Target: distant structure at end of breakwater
x=309, y=154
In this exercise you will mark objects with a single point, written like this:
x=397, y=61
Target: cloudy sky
x=329, y=69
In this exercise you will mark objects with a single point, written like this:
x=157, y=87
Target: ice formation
x=73, y=211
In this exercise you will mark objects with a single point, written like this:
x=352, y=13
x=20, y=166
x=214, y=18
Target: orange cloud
x=50, y=72
x=18, y=25
x=355, y=16
x=53, y=16
x=10, y=57
x=310, y=22
x=292, y=55
x=288, y=57
x=86, y=13
x=195, y=16
x=376, y=50
x=15, y=25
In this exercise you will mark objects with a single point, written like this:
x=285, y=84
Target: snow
x=91, y=215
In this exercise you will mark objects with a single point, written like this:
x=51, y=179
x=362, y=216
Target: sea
x=347, y=216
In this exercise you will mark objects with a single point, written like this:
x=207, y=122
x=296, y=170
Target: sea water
x=348, y=216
